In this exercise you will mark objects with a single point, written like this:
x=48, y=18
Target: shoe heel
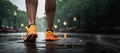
x=34, y=37
x=31, y=38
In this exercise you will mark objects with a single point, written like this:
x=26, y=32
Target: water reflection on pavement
x=30, y=47
x=67, y=43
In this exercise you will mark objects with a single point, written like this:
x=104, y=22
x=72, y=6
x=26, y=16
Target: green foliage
x=7, y=10
x=90, y=14
x=22, y=18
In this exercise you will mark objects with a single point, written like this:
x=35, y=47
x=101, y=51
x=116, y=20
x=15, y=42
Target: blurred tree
x=22, y=18
x=6, y=9
x=6, y=14
x=90, y=14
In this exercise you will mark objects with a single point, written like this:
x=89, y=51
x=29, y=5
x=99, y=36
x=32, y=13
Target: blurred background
x=78, y=16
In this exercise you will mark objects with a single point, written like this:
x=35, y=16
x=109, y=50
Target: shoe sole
x=51, y=39
x=31, y=38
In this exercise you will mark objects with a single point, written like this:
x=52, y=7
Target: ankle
x=31, y=25
x=50, y=30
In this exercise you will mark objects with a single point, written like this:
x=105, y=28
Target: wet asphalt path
x=74, y=43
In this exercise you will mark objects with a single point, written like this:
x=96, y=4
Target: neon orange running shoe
x=50, y=36
x=31, y=33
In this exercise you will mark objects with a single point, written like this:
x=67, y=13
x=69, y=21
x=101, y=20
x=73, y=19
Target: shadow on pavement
x=30, y=47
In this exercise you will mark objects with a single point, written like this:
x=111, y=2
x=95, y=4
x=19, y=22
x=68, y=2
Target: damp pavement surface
x=67, y=43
